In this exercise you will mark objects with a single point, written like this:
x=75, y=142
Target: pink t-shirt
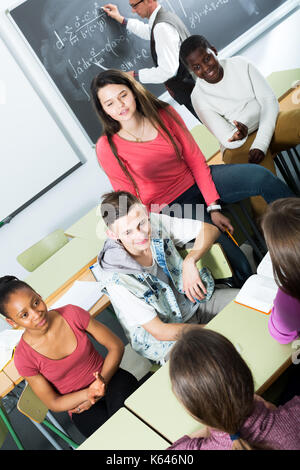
x=73, y=372
x=155, y=168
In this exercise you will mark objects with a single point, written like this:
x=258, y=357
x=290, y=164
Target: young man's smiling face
x=204, y=64
x=133, y=230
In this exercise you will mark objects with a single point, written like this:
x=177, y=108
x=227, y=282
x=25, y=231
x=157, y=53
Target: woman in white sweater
x=237, y=105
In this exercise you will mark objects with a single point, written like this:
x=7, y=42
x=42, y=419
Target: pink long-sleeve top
x=278, y=429
x=160, y=176
x=284, y=321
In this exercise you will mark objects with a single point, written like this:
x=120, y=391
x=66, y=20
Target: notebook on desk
x=259, y=291
x=84, y=294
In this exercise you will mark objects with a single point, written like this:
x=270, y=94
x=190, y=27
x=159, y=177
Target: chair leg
x=11, y=430
x=245, y=231
x=54, y=425
x=47, y=435
x=60, y=434
x=286, y=172
x=254, y=227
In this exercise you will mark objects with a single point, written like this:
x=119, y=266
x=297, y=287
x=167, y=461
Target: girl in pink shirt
x=59, y=361
x=216, y=387
x=147, y=150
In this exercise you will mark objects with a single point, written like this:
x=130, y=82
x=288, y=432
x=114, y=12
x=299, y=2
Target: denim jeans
x=235, y=183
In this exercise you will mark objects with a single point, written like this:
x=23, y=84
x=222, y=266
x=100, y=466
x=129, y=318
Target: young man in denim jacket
x=154, y=292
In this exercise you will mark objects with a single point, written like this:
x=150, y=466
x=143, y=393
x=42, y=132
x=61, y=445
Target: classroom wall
x=78, y=193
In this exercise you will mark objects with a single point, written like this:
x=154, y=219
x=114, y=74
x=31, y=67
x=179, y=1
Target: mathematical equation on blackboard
x=87, y=41
x=195, y=17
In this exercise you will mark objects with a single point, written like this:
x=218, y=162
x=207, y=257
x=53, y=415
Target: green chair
x=207, y=142
x=215, y=260
x=35, y=255
x=32, y=407
x=6, y=427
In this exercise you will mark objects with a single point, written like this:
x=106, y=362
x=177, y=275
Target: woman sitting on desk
x=147, y=150
x=58, y=360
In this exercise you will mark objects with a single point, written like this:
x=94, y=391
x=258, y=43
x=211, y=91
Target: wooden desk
x=154, y=401
x=123, y=431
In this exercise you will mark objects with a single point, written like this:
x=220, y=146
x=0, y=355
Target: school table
x=124, y=431
x=155, y=403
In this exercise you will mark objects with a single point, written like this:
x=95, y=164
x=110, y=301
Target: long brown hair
x=147, y=105
x=213, y=382
x=281, y=227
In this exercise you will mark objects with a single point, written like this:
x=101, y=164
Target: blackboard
x=75, y=39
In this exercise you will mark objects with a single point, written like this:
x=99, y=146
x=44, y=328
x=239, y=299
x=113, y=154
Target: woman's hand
x=222, y=222
x=192, y=284
x=201, y=433
x=86, y=405
x=241, y=133
x=267, y=404
x=97, y=389
x=256, y=156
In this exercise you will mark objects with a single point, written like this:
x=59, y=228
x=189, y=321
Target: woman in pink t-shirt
x=60, y=363
x=147, y=150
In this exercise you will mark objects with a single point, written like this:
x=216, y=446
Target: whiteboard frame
x=228, y=51
x=34, y=81
x=49, y=109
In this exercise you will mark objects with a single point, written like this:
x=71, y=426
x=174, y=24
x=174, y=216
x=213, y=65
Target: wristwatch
x=214, y=207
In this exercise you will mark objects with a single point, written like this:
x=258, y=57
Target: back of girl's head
x=8, y=286
x=191, y=44
x=212, y=380
x=281, y=227
x=147, y=104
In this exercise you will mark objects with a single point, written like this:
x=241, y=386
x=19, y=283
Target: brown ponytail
x=213, y=382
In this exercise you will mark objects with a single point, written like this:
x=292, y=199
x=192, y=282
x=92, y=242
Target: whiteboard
x=34, y=152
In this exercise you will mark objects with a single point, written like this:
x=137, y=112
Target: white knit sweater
x=242, y=95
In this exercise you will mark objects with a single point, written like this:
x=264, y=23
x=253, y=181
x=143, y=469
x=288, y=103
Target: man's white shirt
x=167, y=46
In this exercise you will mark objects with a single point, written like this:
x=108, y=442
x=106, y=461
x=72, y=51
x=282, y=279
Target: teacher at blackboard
x=166, y=32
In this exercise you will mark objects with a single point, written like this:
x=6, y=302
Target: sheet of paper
x=82, y=293
x=265, y=267
x=9, y=339
x=95, y=271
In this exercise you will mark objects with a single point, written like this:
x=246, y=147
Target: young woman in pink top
x=59, y=361
x=216, y=387
x=147, y=150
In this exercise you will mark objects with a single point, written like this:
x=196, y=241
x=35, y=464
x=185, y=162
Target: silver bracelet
x=214, y=207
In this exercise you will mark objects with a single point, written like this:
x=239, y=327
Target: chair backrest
x=215, y=260
x=205, y=139
x=31, y=406
x=38, y=253
x=3, y=428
